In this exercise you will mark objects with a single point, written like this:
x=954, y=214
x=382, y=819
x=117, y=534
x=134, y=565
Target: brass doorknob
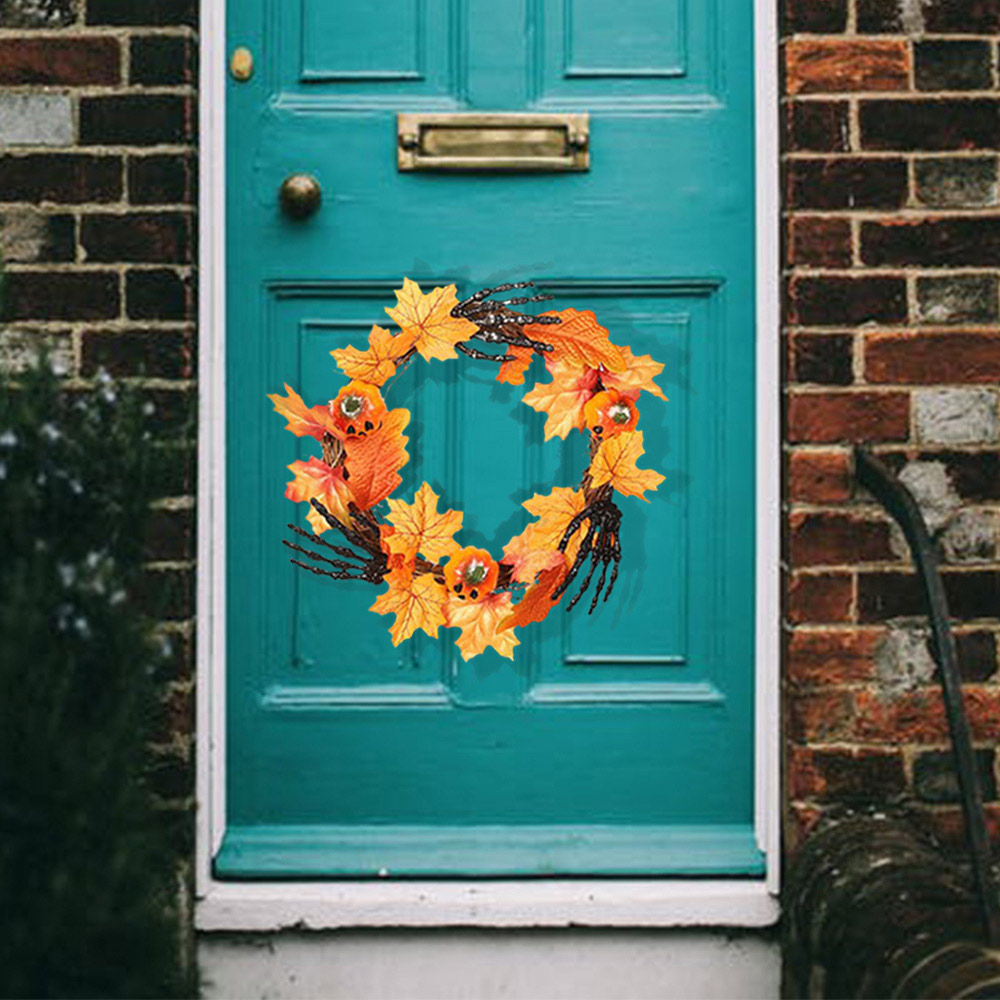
x=300, y=195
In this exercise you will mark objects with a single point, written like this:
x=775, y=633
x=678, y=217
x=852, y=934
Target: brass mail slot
x=557, y=142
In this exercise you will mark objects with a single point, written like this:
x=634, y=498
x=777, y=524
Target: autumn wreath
x=431, y=579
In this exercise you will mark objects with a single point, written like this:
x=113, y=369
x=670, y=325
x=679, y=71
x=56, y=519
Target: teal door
x=614, y=744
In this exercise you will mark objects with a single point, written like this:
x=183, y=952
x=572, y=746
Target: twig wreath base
x=431, y=579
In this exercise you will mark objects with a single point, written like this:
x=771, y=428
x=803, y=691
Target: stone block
x=36, y=120
x=956, y=182
x=956, y=416
x=971, y=537
x=965, y=298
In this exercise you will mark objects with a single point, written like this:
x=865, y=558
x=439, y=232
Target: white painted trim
x=256, y=906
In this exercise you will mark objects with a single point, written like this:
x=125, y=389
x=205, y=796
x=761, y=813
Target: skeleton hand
x=369, y=567
x=601, y=545
x=500, y=325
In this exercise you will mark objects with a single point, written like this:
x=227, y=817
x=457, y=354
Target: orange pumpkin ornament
x=358, y=409
x=471, y=574
x=611, y=412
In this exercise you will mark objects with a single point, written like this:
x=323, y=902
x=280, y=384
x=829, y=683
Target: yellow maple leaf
x=615, y=463
x=304, y=421
x=638, y=374
x=526, y=560
x=420, y=528
x=417, y=601
x=316, y=479
x=563, y=399
x=378, y=362
x=554, y=512
x=579, y=338
x=480, y=623
x=428, y=319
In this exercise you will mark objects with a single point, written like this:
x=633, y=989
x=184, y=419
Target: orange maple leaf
x=428, y=319
x=316, y=479
x=580, y=338
x=554, y=512
x=615, y=463
x=480, y=625
x=378, y=362
x=417, y=601
x=526, y=560
x=537, y=601
x=373, y=461
x=512, y=372
x=420, y=528
x=638, y=374
x=563, y=399
x=304, y=421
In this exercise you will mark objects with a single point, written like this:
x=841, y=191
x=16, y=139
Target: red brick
x=948, y=826
x=840, y=65
x=846, y=182
x=971, y=594
x=60, y=61
x=44, y=295
x=930, y=124
x=819, y=476
x=817, y=126
x=949, y=242
x=823, y=417
x=154, y=237
x=926, y=359
x=822, y=358
x=155, y=354
x=915, y=717
x=820, y=715
x=826, y=539
x=820, y=597
x=846, y=301
x=835, y=656
x=819, y=241
x=845, y=775
x=60, y=177
x=814, y=16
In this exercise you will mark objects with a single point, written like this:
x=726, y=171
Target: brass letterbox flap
x=493, y=141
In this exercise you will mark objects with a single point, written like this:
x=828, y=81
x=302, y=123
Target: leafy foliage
x=87, y=864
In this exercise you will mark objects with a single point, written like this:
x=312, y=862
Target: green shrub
x=87, y=870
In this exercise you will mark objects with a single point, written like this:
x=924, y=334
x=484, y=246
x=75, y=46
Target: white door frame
x=261, y=906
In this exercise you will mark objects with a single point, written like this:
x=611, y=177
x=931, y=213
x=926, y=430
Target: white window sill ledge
x=248, y=906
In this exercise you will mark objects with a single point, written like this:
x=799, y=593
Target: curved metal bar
x=875, y=477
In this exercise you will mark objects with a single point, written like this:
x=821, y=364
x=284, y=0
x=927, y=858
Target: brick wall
x=893, y=335
x=97, y=238
x=892, y=257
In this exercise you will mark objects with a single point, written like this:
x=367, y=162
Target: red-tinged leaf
x=537, y=601
x=564, y=398
x=304, y=421
x=638, y=374
x=315, y=479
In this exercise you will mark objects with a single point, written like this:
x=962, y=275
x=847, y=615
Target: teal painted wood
x=633, y=725
x=430, y=851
